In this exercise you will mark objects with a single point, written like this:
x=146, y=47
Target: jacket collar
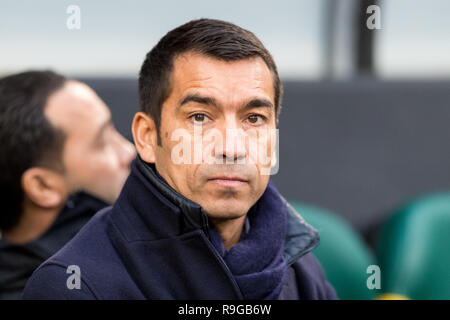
x=185, y=215
x=301, y=238
x=193, y=214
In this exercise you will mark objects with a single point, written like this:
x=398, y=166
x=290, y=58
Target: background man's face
x=96, y=157
x=217, y=96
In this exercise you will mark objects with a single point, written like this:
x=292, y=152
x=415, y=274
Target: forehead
x=76, y=107
x=239, y=79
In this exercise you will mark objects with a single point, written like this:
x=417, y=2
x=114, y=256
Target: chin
x=226, y=209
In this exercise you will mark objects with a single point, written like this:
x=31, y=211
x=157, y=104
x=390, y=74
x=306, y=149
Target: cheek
x=104, y=164
x=193, y=176
x=74, y=157
x=262, y=149
x=263, y=180
x=185, y=178
x=93, y=165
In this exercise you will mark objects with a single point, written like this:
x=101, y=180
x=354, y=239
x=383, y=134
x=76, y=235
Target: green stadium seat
x=342, y=252
x=413, y=249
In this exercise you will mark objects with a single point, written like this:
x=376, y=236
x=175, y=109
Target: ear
x=44, y=187
x=145, y=136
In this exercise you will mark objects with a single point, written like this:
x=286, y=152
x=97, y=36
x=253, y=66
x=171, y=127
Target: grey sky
x=115, y=35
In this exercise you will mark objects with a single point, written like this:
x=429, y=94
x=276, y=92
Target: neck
x=230, y=230
x=33, y=223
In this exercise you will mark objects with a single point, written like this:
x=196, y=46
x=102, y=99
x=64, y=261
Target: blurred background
x=365, y=120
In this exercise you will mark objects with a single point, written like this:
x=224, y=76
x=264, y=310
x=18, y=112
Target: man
x=61, y=160
x=205, y=224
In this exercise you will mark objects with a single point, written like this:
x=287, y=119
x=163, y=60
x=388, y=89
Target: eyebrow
x=253, y=103
x=198, y=99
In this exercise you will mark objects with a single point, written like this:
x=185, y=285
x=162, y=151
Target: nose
x=233, y=149
x=125, y=151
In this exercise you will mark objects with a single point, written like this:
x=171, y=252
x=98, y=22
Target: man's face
x=96, y=157
x=222, y=105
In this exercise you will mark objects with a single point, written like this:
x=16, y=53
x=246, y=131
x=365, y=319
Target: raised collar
x=300, y=239
x=193, y=214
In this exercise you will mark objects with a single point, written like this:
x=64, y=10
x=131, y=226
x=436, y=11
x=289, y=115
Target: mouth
x=228, y=181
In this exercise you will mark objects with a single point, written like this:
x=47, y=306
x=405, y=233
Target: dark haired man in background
x=61, y=160
x=184, y=229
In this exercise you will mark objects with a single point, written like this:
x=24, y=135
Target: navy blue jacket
x=153, y=244
x=18, y=261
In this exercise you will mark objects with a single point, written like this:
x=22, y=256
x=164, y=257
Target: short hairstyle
x=214, y=38
x=27, y=138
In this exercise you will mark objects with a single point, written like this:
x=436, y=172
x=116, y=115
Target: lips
x=231, y=178
x=228, y=181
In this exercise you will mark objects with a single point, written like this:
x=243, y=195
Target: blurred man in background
x=61, y=160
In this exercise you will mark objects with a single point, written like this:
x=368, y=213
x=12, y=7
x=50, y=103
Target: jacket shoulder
x=311, y=279
x=89, y=252
x=56, y=282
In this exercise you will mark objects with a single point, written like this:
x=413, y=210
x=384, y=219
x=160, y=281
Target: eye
x=256, y=119
x=199, y=118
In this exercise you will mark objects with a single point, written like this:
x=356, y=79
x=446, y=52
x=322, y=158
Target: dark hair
x=214, y=38
x=27, y=138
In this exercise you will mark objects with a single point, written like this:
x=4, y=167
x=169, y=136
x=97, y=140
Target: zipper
x=224, y=266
